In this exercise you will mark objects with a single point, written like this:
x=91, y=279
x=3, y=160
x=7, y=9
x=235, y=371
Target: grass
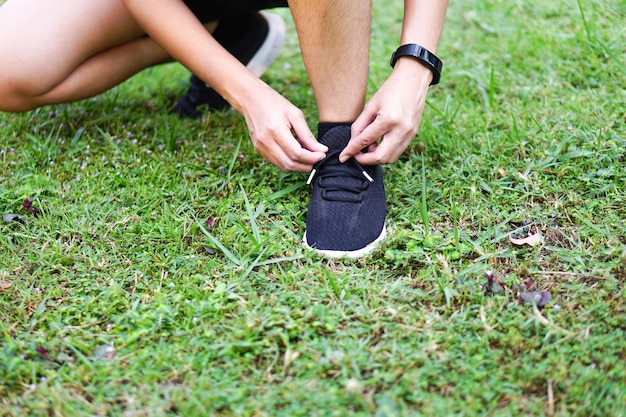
x=164, y=275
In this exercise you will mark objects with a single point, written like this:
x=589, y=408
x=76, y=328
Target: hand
x=390, y=120
x=279, y=131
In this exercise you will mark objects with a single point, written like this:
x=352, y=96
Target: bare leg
x=58, y=51
x=335, y=39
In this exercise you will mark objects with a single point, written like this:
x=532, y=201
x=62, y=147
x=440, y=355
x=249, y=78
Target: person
x=59, y=51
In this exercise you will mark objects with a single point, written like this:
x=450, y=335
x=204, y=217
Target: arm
x=270, y=117
x=393, y=114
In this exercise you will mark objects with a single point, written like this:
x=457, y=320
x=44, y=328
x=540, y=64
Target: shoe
x=346, y=216
x=254, y=39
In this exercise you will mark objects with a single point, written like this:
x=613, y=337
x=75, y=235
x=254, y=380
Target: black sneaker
x=254, y=39
x=346, y=216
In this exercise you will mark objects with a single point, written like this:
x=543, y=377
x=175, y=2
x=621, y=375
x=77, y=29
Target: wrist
x=243, y=91
x=420, y=55
x=413, y=72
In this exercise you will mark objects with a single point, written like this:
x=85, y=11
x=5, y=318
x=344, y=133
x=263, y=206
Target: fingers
x=287, y=163
x=288, y=153
x=306, y=137
x=369, y=136
x=385, y=139
x=385, y=153
x=362, y=135
x=388, y=123
x=272, y=128
x=285, y=152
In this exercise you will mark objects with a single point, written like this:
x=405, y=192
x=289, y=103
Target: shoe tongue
x=336, y=138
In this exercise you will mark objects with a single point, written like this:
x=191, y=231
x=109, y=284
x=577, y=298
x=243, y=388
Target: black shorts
x=208, y=10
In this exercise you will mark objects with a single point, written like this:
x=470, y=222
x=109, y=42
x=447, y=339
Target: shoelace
x=350, y=168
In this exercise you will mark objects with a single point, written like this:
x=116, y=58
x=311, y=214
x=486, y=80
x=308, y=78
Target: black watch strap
x=423, y=55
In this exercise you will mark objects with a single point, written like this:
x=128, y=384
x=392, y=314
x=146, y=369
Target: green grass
x=165, y=274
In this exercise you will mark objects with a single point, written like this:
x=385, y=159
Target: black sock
x=323, y=127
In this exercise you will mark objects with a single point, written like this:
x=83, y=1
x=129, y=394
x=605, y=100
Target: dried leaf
x=211, y=222
x=545, y=298
x=354, y=386
x=210, y=251
x=539, y=298
x=5, y=285
x=30, y=209
x=104, y=353
x=10, y=217
x=27, y=204
x=43, y=353
x=531, y=240
x=493, y=286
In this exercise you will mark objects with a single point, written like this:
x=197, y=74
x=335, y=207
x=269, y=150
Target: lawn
x=151, y=266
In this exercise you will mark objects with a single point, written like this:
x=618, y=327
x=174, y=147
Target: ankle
x=323, y=127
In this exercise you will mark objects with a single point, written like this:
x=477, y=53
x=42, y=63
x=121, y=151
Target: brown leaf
x=5, y=285
x=211, y=222
x=104, y=353
x=494, y=286
x=539, y=298
x=43, y=352
x=530, y=284
x=10, y=217
x=210, y=251
x=531, y=240
x=30, y=209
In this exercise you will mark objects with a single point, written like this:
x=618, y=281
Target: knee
x=14, y=99
x=14, y=104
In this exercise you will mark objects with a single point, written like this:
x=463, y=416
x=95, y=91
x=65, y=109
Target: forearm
x=422, y=25
x=423, y=22
x=172, y=25
x=392, y=116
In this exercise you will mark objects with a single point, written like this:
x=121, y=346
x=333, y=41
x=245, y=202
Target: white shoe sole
x=355, y=254
x=270, y=49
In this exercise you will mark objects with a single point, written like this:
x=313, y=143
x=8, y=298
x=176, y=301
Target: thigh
x=43, y=41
